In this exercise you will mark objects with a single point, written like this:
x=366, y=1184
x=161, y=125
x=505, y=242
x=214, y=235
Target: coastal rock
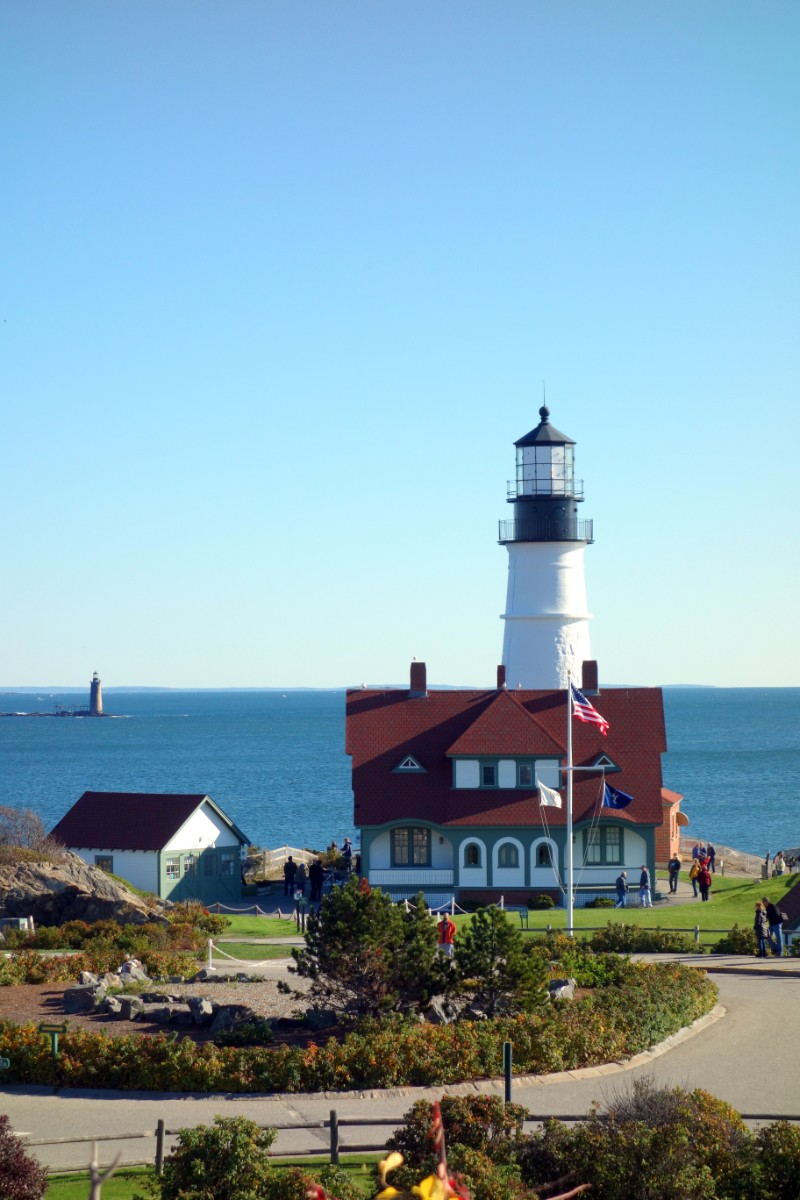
x=69, y=890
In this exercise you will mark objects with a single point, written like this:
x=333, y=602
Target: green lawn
x=732, y=903
x=258, y=927
x=250, y=953
x=130, y=1181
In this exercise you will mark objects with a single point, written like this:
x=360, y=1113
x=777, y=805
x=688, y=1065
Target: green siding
x=208, y=875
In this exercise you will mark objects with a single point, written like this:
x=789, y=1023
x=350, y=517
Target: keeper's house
x=179, y=847
x=445, y=793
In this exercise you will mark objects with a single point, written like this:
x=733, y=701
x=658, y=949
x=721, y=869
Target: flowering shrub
x=648, y=1003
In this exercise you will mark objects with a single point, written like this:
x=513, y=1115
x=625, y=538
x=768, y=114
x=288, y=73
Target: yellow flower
x=431, y=1188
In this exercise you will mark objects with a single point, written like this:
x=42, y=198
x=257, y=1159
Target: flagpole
x=569, y=808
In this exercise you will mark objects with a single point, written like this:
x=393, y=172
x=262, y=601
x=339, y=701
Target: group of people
x=767, y=926
x=782, y=864
x=702, y=868
x=296, y=875
x=645, y=890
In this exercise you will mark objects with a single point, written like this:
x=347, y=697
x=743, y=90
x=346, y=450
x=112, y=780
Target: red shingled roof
x=385, y=726
x=129, y=820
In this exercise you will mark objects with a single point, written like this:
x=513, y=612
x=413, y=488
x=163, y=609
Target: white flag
x=548, y=798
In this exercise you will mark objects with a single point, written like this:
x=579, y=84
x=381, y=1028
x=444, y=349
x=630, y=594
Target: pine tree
x=494, y=966
x=366, y=955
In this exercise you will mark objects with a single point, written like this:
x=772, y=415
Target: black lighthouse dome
x=545, y=493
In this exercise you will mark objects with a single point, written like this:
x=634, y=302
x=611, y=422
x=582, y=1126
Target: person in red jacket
x=447, y=935
x=704, y=881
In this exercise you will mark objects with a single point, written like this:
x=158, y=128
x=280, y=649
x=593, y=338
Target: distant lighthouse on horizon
x=96, y=696
x=546, y=635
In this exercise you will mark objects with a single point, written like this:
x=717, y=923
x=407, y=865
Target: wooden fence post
x=334, y=1138
x=160, y=1147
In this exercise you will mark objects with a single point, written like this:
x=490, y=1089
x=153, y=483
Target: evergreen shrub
x=737, y=941
x=619, y=938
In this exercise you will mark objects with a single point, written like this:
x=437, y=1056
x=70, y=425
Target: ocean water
x=275, y=761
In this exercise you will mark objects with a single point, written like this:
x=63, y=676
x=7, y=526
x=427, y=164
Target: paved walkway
x=747, y=1052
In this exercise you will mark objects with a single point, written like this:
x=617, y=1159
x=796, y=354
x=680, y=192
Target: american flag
x=586, y=712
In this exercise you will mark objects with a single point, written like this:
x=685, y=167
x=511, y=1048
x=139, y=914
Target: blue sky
x=281, y=286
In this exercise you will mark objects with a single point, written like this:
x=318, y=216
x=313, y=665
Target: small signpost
x=53, y=1030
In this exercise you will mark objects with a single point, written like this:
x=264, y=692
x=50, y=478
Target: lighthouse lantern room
x=546, y=636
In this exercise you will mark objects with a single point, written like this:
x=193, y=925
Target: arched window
x=544, y=855
x=472, y=855
x=508, y=855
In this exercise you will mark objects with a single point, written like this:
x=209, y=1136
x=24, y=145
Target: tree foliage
x=494, y=965
x=367, y=956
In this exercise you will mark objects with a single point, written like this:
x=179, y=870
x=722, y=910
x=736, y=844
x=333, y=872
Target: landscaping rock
x=81, y=999
x=562, y=989
x=113, y=1005
x=440, y=1011
x=130, y=1007
x=201, y=1010
x=228, y=1016
x=321, y=1018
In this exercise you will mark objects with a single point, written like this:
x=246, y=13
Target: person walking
x=761, y=929
x=674, y=868
x=446, y=929
x=775, y=919
x=704, y=881
x=645, y=897
x=693, y=873
x=712, y=858
x=622, y=890
x=347, y=854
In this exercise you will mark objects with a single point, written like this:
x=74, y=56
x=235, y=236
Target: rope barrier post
x=507, y=1064
x=453, y=906
x=697, y=935
x=160, y=1147
x=334, y=1138
x=210, y=944
x=502, y=904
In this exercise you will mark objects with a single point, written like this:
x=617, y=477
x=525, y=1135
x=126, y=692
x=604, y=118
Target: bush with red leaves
x=21, y=1177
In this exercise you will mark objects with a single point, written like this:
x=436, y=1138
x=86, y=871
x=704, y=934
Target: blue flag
x=613, y=798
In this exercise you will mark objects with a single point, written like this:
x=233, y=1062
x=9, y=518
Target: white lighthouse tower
x=546, y=637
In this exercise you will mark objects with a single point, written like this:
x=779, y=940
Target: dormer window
x=409, y=764
x=602, y=762
x=488, y=775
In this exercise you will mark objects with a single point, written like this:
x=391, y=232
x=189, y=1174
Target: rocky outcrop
x=53, y=893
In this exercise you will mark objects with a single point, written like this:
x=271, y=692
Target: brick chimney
x=419, y=680
x=589, y=677
x=501, y=677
